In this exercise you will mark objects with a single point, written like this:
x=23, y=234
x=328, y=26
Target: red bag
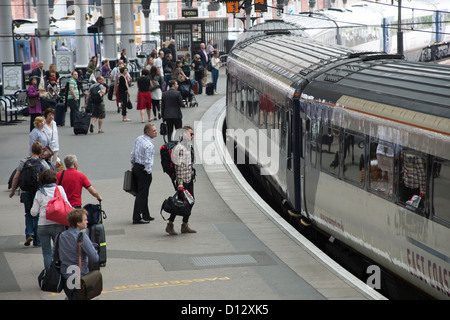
x=58, y=209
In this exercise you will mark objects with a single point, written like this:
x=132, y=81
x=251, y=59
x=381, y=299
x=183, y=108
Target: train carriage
x=347, y=129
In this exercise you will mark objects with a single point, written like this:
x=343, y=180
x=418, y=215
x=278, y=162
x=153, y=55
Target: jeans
x=46, y=234
x=215, y=77
x=31, y=223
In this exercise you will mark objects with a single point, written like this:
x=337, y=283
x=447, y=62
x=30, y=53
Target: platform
x=241, y=251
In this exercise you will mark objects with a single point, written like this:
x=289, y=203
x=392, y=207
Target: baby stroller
x=187, y=92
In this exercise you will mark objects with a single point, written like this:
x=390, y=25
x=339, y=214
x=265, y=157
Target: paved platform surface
x=238, y=253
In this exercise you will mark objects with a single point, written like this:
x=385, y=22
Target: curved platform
x=242, y=250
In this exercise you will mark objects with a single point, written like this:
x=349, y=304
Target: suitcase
x=96, y=230
x=60, y=114
x=96, y=233
x=209, y=88
x=129, y=182
x=82, y=122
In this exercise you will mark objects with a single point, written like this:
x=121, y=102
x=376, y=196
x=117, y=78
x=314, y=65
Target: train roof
x=285, y=60
x=274, y=26
x=416, y=86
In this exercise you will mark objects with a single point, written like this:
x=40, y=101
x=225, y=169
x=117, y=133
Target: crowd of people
x=157, y=90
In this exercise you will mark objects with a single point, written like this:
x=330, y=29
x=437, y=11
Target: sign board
x=189, y=13
x=232, y=6
x=260, y=5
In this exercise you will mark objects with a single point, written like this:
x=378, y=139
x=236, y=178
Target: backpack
x=209, y=66
x=166, y=159
x=29, y=176
x=95, y=94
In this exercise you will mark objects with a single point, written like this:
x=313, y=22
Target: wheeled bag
x=60, y=114
x=82, y=123
x=96, y=230
x=209, y=88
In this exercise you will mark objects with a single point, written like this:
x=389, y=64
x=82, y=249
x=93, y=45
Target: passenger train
x=354, y=144
x=62, y=32
x=371, y=26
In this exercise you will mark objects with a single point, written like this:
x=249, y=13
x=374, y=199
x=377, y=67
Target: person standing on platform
x=216, y=64
x=27, y=196
x=95, y=94
x=73, y=182
x=73, y=97
x=33, y=101
x=183, y=159
x=144, y=98
x=171, y=104
x=142, y=157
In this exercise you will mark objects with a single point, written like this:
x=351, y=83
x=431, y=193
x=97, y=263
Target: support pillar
x=127, y=37
x=81, y=33
x=109, y=30
x=43, y=32
x=6, y=33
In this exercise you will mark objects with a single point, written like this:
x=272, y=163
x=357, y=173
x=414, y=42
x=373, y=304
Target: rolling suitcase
x=82, y=122
x=60, y=114
x=96, y=230
x=209, y=88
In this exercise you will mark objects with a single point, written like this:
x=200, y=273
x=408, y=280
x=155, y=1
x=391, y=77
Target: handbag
x=129, y=105
x=46, y=153
x=32, y=101
x=163, y=128
x=175, y=205
x=50, y=278
x=130, y=183
x=181, y=78
x=58, y=209
x=91, y=284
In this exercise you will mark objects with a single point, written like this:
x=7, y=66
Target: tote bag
x=58, y=209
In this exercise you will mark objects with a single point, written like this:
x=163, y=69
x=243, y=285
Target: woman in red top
x=144, y=101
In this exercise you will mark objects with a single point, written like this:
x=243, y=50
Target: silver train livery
x=358, y=145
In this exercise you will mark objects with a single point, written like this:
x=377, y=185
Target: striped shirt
x=143, y=152
x=73, y=84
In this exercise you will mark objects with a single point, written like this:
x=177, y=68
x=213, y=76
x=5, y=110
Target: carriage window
x=329, y=140
x=250, y=103
x=243, y=99
x=441, y=187
x=413, y=179
x=314, y=135
x=381, y=164
x=255, y=107
x=354, y=153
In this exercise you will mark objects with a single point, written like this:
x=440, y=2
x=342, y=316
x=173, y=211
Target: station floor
x=240, y=252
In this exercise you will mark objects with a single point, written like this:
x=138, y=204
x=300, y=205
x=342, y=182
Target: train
x=372, y=26
x=62, y=31
x=353, y=144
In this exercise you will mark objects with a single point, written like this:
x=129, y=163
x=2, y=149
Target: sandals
x=126, y=120
x=101, y=131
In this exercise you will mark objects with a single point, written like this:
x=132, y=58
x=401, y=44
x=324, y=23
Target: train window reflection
x=381, y=164
x=441, y=190
x=353, y=154
x=413, y=179
x=330, y=149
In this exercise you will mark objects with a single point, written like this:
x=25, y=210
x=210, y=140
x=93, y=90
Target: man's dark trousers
x=144, y=179
x=177, y=123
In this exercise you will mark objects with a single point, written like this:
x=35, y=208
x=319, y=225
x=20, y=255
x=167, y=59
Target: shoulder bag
x=50, y=278
x=91, y=284
x=58, y=209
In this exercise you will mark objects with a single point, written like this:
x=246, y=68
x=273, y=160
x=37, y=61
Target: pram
x=188, y=93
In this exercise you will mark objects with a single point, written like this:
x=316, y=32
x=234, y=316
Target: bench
x=13, y=105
